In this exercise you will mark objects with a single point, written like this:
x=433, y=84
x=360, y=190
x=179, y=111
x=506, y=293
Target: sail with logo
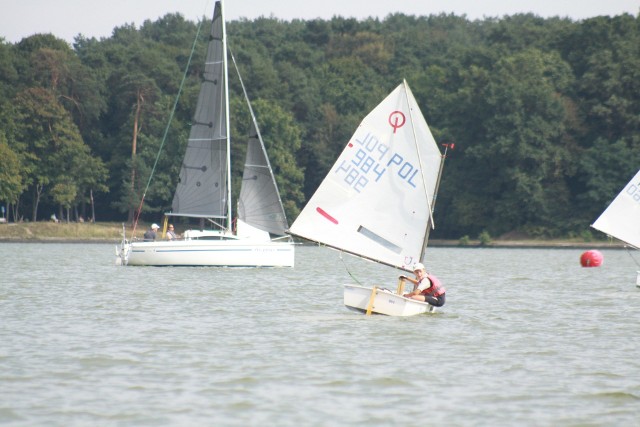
x=377, y=200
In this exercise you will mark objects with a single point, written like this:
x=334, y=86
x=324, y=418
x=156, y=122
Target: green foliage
x=11, y=181
x=52, y=150
x=586, y=236
x=484, y=238
x=543, y=112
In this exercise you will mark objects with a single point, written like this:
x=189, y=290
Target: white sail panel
x=376, y=199
x=622, y=218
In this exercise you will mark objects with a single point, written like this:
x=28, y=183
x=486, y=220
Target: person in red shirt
x=426, y=287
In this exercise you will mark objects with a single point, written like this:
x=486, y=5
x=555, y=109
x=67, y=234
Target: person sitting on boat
x=426, y=287
x=171, y=233
x=151, y=234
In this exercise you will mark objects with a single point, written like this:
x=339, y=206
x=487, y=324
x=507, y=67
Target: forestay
x=376, y=200
x=622, y=218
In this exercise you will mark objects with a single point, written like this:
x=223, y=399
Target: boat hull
x=215, y=253
x=385, y=302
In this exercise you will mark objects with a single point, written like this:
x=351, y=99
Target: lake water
x=527, y=338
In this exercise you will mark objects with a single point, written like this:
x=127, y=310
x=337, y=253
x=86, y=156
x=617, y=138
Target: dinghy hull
x=385, y=302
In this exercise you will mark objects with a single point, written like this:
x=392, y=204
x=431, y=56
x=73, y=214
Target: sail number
x=634, y=191
x=370, y=162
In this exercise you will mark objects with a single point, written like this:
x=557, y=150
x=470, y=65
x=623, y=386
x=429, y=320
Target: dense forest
x=544, y=113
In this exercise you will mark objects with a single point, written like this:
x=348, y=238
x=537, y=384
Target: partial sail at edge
x=622, y=218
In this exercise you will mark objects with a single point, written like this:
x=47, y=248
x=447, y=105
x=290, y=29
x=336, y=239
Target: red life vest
x=436, y=289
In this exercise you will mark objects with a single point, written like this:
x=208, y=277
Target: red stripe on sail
x=326, y=215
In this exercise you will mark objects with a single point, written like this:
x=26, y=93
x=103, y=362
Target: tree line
x=544, y=113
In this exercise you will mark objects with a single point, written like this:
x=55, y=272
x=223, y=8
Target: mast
x=433, y=205
x=430, y=205
x=226, y=106
x=203, y=189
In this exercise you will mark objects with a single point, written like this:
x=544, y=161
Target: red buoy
x=591, y=258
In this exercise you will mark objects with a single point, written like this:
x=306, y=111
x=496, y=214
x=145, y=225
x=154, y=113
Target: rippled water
x=527, y=337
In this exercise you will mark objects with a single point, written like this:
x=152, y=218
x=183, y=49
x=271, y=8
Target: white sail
x=376, y=200
x=622, y=218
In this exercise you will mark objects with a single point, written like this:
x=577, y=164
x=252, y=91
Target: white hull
x=385, y=302
x=215, y=253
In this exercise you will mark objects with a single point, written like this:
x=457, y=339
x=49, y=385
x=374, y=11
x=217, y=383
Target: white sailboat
x=377, y=200
x=204, y=188
x=621, y=219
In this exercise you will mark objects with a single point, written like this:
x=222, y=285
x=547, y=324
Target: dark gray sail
x=202, y=186
x=259, y=204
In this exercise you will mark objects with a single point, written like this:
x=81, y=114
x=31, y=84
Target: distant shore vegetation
x=543, y=114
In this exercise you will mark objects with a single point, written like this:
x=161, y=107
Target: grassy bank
x=50, y=231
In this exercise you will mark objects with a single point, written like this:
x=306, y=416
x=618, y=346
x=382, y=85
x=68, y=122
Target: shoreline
x=111, y=233
x=530, y=244
x=436, y=243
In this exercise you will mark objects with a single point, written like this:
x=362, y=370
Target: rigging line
x=348, y=272
x=629, y=252
x=166, y=130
